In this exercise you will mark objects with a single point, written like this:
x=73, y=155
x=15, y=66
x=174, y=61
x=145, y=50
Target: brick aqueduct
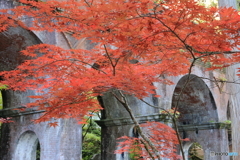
x=201, y=104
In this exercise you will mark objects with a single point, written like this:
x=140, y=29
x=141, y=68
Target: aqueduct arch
x=54, y=141
x=196, y=102
x=27, y=146
x=198, y=117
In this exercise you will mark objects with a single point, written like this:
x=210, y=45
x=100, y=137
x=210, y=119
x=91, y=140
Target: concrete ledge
x=203, y=126
x=15, y=112
x=164, y=119
x=128, y=121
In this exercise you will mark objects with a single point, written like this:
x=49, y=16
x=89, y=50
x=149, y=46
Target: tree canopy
x=137, y=43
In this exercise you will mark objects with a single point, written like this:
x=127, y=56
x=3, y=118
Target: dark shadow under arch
x=196, y=104
x=12, y=42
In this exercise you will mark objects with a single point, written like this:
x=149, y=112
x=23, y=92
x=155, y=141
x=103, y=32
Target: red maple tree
x=164, y=139
x=137, y=43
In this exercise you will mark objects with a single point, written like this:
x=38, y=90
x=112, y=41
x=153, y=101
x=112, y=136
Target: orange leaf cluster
x=5, y=120
x=136, y=43
x=161, y=135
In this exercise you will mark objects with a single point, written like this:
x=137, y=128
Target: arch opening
x=195, y=102
x=2, y=95
x=28, y=147
x=197, y=109
x=38, y=151
x=229, y=120
x=196, y=152
x=1, y=100
x=193, y=151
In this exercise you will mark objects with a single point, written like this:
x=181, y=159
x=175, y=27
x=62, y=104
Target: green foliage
x=2, y=87
x=170, y=112
x=194, y=152
x=91, y=139
x=1, y=101
x=211, y=121
x=209, y=3
x=134, y=155
x=238, y=4
x=226, y=124
x=38, y=152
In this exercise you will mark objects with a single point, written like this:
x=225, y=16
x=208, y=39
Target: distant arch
x=229, y=120
x=186, y=147
x=195, y=152
x=197, y=109
x=1, y=100
x=12, y=42
x=2, y=95
x=228, y=114
x=27, y=146
x=196, y=103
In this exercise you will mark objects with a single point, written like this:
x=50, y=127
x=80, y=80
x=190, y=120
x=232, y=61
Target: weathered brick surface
x=19, y=139
x=201, y=103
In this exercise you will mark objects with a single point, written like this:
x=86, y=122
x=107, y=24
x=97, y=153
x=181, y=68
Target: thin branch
x=110, y=59
x=90, y=125
x=68, y=42
x=87, y=3
x=174, y=123
x=94, y=67
x=177, y=36
x=123, y=101
x=169, y=114
x=218, y=80
x=146, y=147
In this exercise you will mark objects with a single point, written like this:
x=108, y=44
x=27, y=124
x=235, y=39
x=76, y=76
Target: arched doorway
x=193, y=151
x=28, y=147
x=196, y=152
x=1, y=100
x=229, y=121
x=196, y=104
x=2, y=95
x=198, y=118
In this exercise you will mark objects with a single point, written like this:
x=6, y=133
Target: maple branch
x=218, y=80
x=90, y=125
x=71, y=47
x=88, y=3
x=65, y=37
x=174, y=123
x=147, y=149
x=72, y=60
x=124, y=103
x=176, y=35
x=92, y=2
x=169, y=114
x=213, y=53
x=188, y=36
x=110, y=59
x=177, y=104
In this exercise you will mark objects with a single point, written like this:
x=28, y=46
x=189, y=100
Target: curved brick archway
x=198, y=119
x=13, y=144
x=196, y=104
x=12, y=42
x=27, y=146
